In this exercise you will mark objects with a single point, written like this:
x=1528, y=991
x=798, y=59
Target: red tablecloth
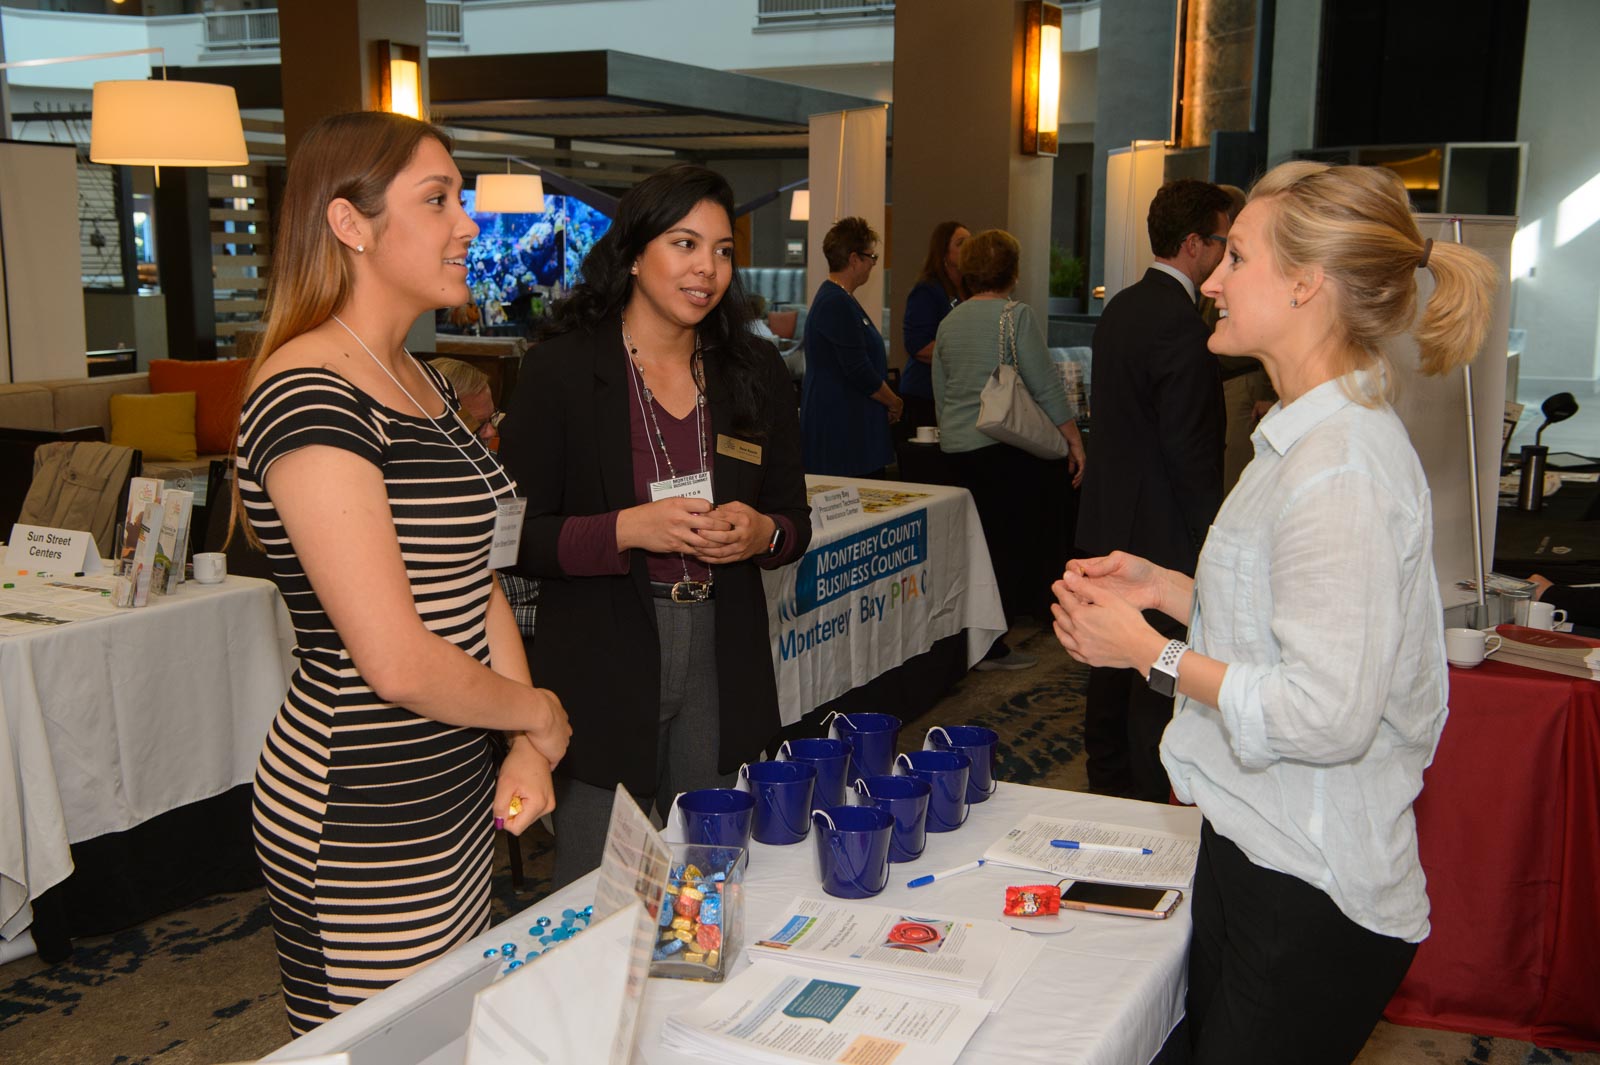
x=1509, y=828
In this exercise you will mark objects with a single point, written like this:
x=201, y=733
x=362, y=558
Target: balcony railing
x=792, y=12
x=233, y=32
x=241, y=31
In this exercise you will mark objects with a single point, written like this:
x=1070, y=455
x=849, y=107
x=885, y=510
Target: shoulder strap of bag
x=1008, y=334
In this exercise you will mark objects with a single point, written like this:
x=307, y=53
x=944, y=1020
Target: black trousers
x=1122, y=727
x=1024, y=504
x=1277, y=973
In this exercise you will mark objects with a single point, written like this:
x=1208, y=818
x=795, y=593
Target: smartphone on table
x=1151, y=903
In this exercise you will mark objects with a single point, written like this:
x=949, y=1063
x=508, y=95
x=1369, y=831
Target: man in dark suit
x=1155, y=481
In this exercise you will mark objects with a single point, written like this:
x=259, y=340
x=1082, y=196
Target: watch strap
x=1163, y=677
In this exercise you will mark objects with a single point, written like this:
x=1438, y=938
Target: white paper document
x=1027, y=846
x=970, y=957
x=575, y=1003
x=773, y=1012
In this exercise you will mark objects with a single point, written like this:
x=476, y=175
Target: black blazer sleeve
x=533, y=446
x=783, y=487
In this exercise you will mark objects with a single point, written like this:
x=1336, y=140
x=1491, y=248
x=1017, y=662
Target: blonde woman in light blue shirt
x=1314, y=695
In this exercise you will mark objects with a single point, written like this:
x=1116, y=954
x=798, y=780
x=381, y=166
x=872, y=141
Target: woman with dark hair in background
x=378, y=787
x=656, y=440
x=846, y=404
x=937, y=290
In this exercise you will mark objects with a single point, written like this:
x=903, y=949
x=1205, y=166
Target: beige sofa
x=69, y=403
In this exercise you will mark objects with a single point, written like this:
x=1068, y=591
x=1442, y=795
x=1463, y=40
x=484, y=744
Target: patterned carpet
x=200, y=986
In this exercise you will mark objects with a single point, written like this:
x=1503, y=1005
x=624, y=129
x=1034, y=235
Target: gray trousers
x=687, y=741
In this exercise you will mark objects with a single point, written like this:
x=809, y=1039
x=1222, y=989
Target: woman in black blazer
x=659, y=450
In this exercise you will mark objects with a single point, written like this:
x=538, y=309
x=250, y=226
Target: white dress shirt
x=1316, y=587
x=1183, y=279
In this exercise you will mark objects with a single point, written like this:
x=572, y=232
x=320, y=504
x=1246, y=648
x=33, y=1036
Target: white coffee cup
x=1465, y=648
x=1544, y=616
x=927, y=434
x=210, y=567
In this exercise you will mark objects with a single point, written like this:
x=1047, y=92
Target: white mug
x=927, y=434
x=1544, y=616
x=210, y=567
x=1465, y=648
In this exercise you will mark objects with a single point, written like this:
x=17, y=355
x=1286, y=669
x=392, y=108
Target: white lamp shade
x=509, y=194
x=166, y=123
x=800, y=206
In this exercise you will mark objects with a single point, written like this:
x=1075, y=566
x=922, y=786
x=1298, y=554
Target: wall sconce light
x=400, y=78
x=508, y=193
x=800, y=206
x=1041, y=78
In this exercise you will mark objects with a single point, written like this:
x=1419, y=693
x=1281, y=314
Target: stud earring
x=361, y=248
x=1294, y=303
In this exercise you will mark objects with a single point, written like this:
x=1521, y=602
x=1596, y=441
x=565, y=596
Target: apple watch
x=776, y=544
x=1164, y=672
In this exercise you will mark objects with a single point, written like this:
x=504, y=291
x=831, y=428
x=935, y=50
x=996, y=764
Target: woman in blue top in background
x=846, y=405
x=938, y=289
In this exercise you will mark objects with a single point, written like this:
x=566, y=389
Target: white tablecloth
x=107, y=722
x=1105, y=993
x=876, y=589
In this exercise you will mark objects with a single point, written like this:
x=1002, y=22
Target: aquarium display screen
x=520, y=260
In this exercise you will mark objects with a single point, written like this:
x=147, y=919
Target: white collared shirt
x=1168, y=268
x=1316, y=587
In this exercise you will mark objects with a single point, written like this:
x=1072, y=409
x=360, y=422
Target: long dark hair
x=646, y=211
x=933, y=270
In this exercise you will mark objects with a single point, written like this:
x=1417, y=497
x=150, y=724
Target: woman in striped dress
x=382, y=777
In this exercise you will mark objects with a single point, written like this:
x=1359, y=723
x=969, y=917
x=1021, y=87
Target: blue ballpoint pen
x=931, y=877
x=1074, y=845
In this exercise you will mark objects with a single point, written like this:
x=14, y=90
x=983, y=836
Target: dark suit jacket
x=1154, y=477
x=566, y=441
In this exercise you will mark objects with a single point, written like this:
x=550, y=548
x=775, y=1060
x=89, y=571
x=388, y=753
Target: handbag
x=1007, y=411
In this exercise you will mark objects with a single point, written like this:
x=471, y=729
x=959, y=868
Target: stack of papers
x=1028, y=846
x=778, y=1013
x=957, y=956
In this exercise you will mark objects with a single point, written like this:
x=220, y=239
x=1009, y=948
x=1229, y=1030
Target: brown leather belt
x=684, y=591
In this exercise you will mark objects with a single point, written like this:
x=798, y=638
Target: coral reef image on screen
x=520, y=261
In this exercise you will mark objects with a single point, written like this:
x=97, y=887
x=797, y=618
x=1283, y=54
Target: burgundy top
x=588, y=544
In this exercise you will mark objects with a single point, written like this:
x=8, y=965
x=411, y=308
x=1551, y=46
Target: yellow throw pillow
x=161, y=426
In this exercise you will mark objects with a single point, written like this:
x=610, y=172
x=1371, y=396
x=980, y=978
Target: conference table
x=111, y=718
x=877, y=588
x=1508, y=824
x=1106, y=992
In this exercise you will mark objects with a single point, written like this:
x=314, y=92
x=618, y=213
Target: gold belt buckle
x=691, y=591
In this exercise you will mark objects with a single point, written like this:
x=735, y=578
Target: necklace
x=687, y=590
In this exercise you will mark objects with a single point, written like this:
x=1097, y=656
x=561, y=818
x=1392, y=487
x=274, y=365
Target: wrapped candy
x=1033, y=900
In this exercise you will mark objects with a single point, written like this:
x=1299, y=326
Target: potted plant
x=1066, y=281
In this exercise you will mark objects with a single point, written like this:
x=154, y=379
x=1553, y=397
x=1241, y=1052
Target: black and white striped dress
x=373, y=824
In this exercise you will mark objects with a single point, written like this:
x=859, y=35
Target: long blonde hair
x=1355, y=223
x=354, y=156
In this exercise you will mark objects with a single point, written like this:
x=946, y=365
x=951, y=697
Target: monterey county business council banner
x=875, y=590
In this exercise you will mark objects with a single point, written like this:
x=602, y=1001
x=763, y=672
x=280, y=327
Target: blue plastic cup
x=977, y=743
x=782, y=791
x=946, y=773
x=717, y=817
x=906, y=800
x=871, y=739
x=832, y=759
x=853, y=850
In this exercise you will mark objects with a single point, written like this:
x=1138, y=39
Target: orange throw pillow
x=218, y=386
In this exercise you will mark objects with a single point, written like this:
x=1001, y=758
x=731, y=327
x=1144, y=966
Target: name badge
x=735, y=448
x=507, y=532
x=688, y=486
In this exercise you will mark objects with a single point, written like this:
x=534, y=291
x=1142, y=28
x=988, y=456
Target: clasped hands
x=1097, y=611
x=684, y=525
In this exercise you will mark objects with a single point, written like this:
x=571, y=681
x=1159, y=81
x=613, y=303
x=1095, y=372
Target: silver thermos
x=1530, y=493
